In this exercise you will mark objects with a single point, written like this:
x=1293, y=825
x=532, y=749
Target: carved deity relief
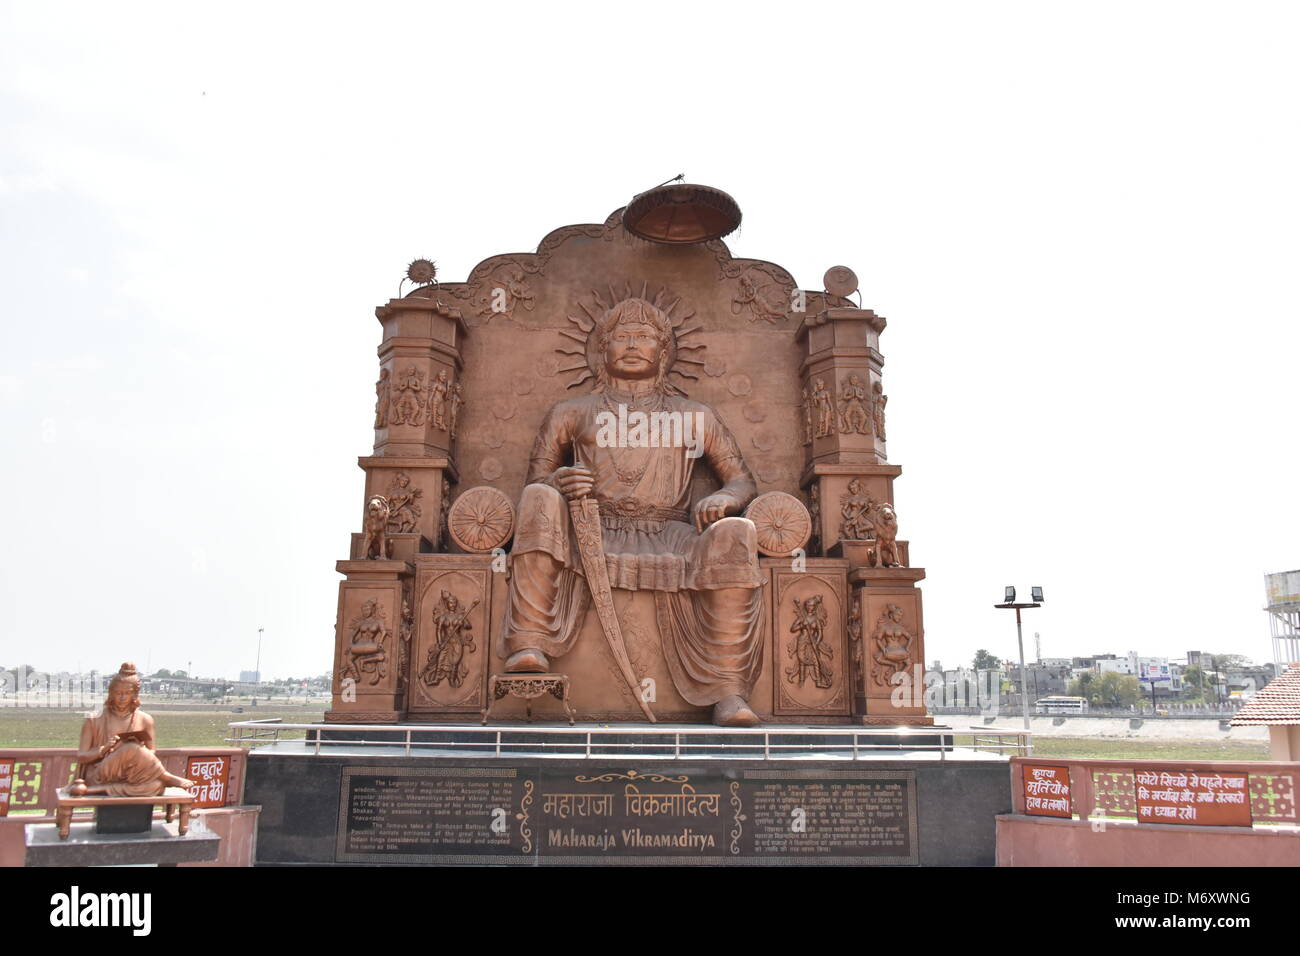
x=853, y=408
x=854, y=627
x=815, y=511
x=403, y=505
x=855, y=508
x=509, y=288
x=453, y=642
x=444, y=513
x=453, y=415
x=383, y=393
x=879, y=399
x=807, y=419
x=893, y=646
x=410, y=404
x=821, y=397
x=438, y=390
x=761, y=299
x=375, y=545
x=404, y=647
x=811, y=650
x=365, y=653
x=885, y=524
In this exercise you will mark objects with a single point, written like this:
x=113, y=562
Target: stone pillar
x=371, y=642
x=842, y=344
x=420, y=361
x=413, y=467
x=893, y=642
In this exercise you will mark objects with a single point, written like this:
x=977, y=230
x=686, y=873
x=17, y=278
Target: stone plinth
x=626, y=810
x=161, y=845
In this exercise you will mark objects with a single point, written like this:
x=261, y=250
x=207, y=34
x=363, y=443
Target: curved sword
x=586, y=524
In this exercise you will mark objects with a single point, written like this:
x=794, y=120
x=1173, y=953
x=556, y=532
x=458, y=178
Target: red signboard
x=1206, y=798
x=1047, y=791
x=6, y=785
x=211, y=776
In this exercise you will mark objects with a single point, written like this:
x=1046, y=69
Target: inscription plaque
x=629, y=816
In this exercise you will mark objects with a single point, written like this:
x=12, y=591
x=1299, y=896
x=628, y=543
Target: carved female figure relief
x=815, y=513
x=457, y=400
x=447, y=657
x=438, y=389
x=382, y=398
x=365, y=651
x=403, y=505
x=893, y=646
x=807, y=419
x=825, y=409
x=812, y=654
x=879, y=399
x=855, y=508
x=854, y=628
x=404, y=647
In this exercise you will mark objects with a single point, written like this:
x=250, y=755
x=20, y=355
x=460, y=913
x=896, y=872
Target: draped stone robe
x=129, y=771
x=707, y=586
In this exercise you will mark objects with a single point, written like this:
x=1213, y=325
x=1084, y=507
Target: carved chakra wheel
x=481, y=519
x=782, y=522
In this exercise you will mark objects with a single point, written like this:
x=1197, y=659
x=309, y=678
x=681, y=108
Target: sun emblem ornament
x=683, y=356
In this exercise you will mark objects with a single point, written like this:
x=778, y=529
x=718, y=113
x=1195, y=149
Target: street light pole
x=257, y=668
x=1020, y=640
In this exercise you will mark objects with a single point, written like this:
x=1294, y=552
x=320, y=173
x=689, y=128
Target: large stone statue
x=701, y=564
x=116, y=755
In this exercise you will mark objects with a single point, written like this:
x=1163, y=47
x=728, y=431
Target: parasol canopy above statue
x=681, y=213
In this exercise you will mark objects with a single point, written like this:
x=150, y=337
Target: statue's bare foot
x=527, y=661
x=734, y=712
x=78, y=788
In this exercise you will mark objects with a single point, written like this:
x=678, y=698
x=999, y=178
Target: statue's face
x=633, y=351
x=122, y=697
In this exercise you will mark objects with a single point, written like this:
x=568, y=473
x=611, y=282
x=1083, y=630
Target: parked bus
x=1061, y=705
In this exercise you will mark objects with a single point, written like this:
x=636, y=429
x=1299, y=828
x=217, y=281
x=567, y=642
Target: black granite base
x=518, y=810
x=160, y=844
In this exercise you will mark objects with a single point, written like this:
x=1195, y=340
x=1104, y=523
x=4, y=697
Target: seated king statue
x=701, y=564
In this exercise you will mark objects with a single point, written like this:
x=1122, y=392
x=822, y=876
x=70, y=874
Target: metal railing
x=603, y=741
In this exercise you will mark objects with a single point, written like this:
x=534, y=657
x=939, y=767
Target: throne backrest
x=527, y=316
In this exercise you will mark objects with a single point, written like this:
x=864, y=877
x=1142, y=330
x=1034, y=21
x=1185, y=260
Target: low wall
x=1102, y=828
x=1041, y=841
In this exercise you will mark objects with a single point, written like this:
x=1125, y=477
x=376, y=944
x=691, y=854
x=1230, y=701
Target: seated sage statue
x=116, y=756
x=701, y=564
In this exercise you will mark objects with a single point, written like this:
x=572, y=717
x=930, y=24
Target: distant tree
x=1083, y=686
x=984, y=661
x=163, y=674
x=1118, y=690
x=1195, y=677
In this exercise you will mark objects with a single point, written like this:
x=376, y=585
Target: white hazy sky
x=1080, y=221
